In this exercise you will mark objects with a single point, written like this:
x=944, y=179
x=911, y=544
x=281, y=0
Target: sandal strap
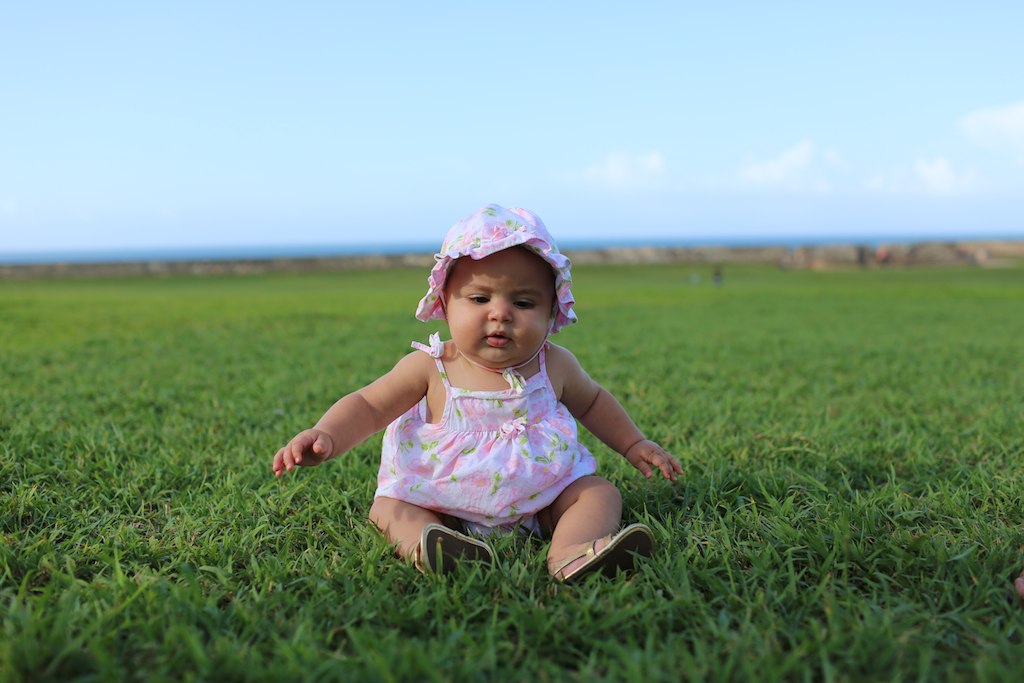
x=588, y=553
x=417, y=558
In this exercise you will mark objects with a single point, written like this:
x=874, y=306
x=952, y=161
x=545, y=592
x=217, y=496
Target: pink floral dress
x=495, y=459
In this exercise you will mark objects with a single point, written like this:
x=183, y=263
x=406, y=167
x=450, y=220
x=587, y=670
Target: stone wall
x=823, y=257
x=990, y=253
x=213, y=267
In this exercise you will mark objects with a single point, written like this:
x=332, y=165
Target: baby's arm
x=358, y=415
x=601, y=413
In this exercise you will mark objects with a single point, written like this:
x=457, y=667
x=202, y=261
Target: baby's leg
x=402, y=523
x=589, y=509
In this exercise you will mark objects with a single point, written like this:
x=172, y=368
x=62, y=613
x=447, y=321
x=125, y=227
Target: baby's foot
x=576, y=557
x=1018, y=586
x=608, y=554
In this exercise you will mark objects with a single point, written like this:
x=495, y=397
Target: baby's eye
x=478, y=298
x=524, y=304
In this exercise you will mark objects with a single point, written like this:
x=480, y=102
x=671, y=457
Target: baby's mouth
x=497, y=340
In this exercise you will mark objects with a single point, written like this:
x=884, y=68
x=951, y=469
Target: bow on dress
x=513, y=428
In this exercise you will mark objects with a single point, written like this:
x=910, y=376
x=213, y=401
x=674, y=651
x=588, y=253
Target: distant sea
x=266, y=252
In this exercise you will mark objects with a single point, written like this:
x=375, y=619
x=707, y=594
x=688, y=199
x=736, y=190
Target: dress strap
x=435, y=350
x=543, y=362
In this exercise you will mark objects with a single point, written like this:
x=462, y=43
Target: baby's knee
x=595, y=487
x=610, y=492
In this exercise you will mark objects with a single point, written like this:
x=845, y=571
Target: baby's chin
x=496, y=358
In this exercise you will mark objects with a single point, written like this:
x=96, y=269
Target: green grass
x=852, y=509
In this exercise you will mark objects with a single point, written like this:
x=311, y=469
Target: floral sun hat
x=492, y=229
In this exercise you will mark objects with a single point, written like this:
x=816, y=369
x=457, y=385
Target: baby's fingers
x=297, y=447
x=671, y=467
x=281, y=462
x=644, y=468
x=288, y=457
x=666, y=463
x=665, y=467
x=295, y=453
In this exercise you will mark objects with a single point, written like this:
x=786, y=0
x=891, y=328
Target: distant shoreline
x=812, y=255
x=269, y=252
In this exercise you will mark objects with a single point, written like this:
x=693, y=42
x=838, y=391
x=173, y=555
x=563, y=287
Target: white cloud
x=926, y=176
x=626, y=170
x=938, y=176
x=802, y=167
x=1000, y=127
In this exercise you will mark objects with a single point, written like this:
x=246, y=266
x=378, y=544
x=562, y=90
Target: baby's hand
x=643, y=454
x=307, y=448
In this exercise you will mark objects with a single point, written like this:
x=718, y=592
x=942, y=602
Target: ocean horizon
x=302, y=251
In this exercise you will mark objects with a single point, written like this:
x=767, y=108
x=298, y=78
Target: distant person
x=481, y=430
x=716, y=276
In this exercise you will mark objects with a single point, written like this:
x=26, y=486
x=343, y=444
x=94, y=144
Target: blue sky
x=169, y=124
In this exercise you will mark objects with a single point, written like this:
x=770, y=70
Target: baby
x=481, y=430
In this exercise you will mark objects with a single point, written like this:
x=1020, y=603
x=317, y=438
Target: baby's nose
x=500, y=310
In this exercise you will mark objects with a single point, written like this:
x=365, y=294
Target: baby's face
x=499, y=308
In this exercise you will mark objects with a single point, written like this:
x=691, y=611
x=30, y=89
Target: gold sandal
x=620, y=553
x=441, y=549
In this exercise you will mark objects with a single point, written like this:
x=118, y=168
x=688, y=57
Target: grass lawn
x=852, y=508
